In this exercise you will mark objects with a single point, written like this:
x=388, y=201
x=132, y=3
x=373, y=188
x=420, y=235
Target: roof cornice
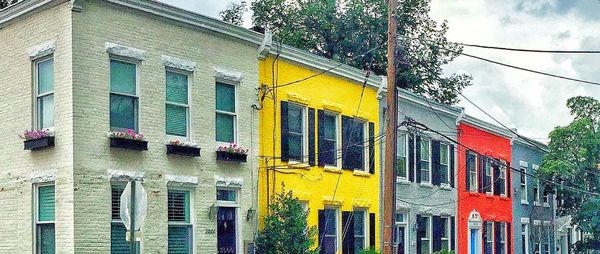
x=25, y=7
x=427, y=103
x=475, y=122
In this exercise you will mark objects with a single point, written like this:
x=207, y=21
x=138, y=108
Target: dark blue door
x=226, y=235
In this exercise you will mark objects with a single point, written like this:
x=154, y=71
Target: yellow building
x=320, y=138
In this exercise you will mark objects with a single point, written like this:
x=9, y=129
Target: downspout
x=460, y=116
x=381, y=96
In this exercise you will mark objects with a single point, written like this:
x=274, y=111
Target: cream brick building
x=83, y=46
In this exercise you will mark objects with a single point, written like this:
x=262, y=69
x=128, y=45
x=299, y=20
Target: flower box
x=131, y=144
x=227, y=156
x=37, y=144
x=183, y=150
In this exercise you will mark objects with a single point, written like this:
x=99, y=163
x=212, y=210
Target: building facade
x=533, y=205
x=318, y=139
x=426, y=193
x=484, y=193
x=85, y=68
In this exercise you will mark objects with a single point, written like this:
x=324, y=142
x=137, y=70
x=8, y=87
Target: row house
x=82, y=69
x=426, y=192
x=484, y=190
x=318, y=139
x=533, y=205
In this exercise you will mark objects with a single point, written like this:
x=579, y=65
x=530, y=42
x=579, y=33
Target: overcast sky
x=532, y=103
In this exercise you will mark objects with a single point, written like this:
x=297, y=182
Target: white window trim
x=448, y=176
x=365, y=124
x=428, y=160
x=338, y=138
x=37, y=212
x=36, y=63
x=188, y=106
x=503, y=240
x=338, y=229
x=524, y=175
x=137, y=114
x=304, y=156
x=406, y=166
x=224, y=203
x=238, y=221
x=404, y=223
x=503, y=167
x=365, y=227
x=191, y=196
x=526, y=233
x=488, y=163
x=234, y=114
x=476, y=174
x=492, y=234
x=429, y=232
x=536, y=198
x=448, y=233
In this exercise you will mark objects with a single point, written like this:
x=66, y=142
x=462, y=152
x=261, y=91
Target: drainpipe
x=514, y=131
x=460, y=116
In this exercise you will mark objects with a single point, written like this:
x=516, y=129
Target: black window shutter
x=372, y=230
x=346, y=127
x=452, y=234
x=420, y=231
x=435, y=162
x=480, y=173
x=371, y=148
x=508, y=239
x=418, y=159
x=321, y=226
x=437, y=233
x=496, y=176
x=321, y=141
x=411, y=158
x=497, y=236
x=451, y=151
x=311, y=136
x=284, y=132
x=508, y=182
x=468, y=171
x=347, y=233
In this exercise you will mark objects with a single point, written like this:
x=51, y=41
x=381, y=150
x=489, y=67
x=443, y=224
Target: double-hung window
x=523, y=172
x=297, y=140
x=488, y=234
x=331, y=144
x=356, y=149
x=537, y=227
x=44, y=93
x=359, y=230
x=425, y=234
x=330, y=235
x=502, y=184
x=177, y=104
x=44, y=228
x=489, y=183
x=118, y=244
x=180, y=226
x=545, y=197
x=445, y=233
x=525, y=238
x=226, y=115
x=536, y=191
x=472, y=171
x=502, y=234
x=124, y=99
x=401, y=157
x=445, y=164
x=425, y=163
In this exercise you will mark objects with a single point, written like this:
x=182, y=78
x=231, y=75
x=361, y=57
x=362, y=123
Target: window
x=523, y=172
x=546, y=239
x=472, y=171
x=445, y=233
x=525, y=238
x=536, y=191
x=444, y=164
x=488, y=235
x=226, y=113
x=180, y=226
x=44, y=93
x=502, y=180
x=424, y=165
x=502, y=234
x=330, y=139
x=537, y=228
x=177, y=104
x=117, y=229
x=45, y=234
x=359, y=231
x=356, y=152
x=329, y=241
x=546, y=198
x=297, y=126
x=400, y=217
x=123, y=96
x=489, y=183
x=401, y=161
x=425, y=228
x=227, y=195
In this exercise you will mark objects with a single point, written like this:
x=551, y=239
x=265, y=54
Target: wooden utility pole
x=389, y=178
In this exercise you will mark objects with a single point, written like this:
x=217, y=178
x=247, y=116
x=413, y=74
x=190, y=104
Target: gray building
x=533, y=206
x=426, y=177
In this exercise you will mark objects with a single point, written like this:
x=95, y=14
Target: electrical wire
x=530, y=50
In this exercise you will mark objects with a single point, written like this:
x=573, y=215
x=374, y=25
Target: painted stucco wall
x=315, y=185
x=491, y=208
x=524, y=155
x=19, y=167
x=102, y=22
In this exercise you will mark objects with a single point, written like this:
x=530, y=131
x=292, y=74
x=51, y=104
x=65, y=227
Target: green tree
x=573, y=159
x=286, y=230
x=234, y=13
x=343, y=30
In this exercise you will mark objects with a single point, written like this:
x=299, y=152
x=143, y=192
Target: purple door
x=226, y=235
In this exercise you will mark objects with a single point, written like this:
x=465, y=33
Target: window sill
x=402, y=181
x=546, y=205
x=504, y=198
x=489, y=195
x=361, y=173
x=333, y=170
x=446, y=187
x=298, y=165
x=524, y=202
x=474, y=194
x=426, y=185
x=535, y=203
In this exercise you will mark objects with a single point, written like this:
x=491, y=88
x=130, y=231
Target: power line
x=530, y=50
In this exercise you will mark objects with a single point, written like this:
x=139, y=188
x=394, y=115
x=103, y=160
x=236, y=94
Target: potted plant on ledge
x=232, y=153
x=179, y=147
x=128, y=140
x=35, y=140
